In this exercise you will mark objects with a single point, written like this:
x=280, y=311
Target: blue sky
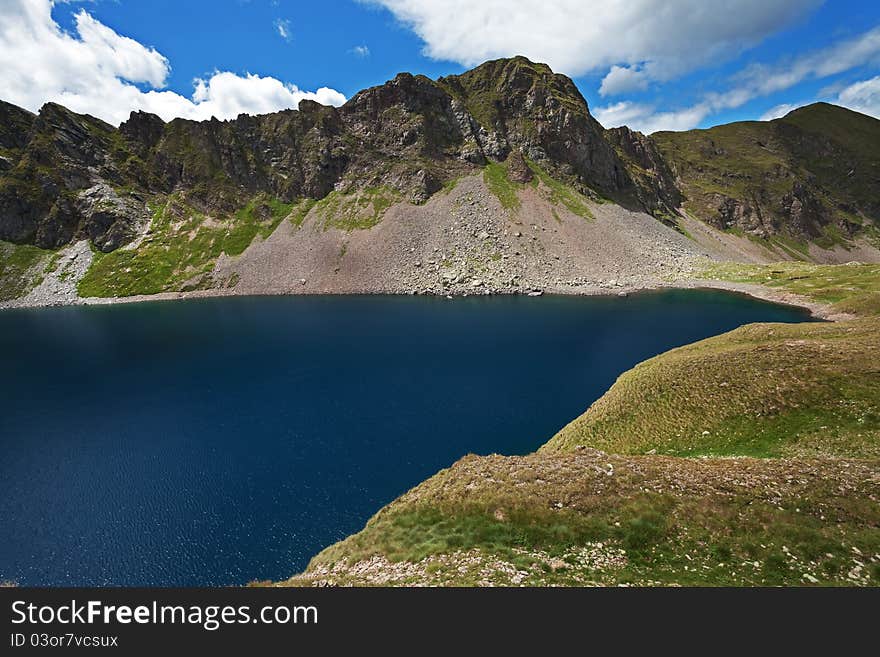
x=675, y=65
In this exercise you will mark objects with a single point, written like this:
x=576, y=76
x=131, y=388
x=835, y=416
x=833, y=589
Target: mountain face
x=63, y=176
x=68, y=176
x=812, y=175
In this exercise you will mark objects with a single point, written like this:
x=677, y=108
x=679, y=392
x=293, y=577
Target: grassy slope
x=181, y=248
x=557, y=193
x=761, y=390
x=571, y=514
x=591, y=517
x=849, y=288
x=356, y=210
x=726, y=160
x=19, y=268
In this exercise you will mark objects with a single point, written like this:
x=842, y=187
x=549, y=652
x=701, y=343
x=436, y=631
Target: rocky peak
x=412, y=93
x=15, y=124
x=523, y=105
x=80, y=139
x=143, y=129
x=500, y=90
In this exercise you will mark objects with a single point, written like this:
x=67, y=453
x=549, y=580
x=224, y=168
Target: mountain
x=813, y=174
x=410, y=135
x=172, y=202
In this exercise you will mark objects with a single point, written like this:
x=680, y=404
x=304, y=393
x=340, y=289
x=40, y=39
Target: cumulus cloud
x=225, y=94
x=576, y=37
x=623, y=79
x=623, y=113
x=100, y=72
x=756, y=82
x=361, y=51
x=862, y=97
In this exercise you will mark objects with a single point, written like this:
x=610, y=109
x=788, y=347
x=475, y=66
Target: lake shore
x=817, y=309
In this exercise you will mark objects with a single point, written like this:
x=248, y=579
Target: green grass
x=449, y=185
x=558, y=192
x=762, y=390
x=19, y=271
x=849, y=288
x=301, y=210
x=504, y=189
x=260, y=216
x=357, y=210
x=181, y=250
x=671, y=521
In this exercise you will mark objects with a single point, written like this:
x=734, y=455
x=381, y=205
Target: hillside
x=591, y=518
x=749, y=458
x=809, y=178
x=762, y=390
x=498, y=179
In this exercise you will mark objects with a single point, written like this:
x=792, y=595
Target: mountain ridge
x=422, y=130
x=66, y=177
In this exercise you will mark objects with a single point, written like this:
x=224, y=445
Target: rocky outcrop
x=521, y=105
x=517, y=169
x=657, y=188
x=142, y=131
x=61, y=187
x=109, y=219
x=15, y=124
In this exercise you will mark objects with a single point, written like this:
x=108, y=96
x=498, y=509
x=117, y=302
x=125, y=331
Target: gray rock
x=109, y=219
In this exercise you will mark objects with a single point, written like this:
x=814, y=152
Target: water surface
x=216, y=441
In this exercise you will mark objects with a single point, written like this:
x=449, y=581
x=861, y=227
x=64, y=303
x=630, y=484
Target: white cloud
x=862, y=97
x=756, y=82
x=575, y=37
x=623, y=113
x=777, y=112
x=623, y=79
x=100, y=72
x=225, y=94
x=645, y=118
x=361, y=51
x=282, y=26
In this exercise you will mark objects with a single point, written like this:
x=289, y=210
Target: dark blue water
x=217, y=441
